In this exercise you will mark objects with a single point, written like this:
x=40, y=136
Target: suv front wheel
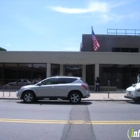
x=28, y=97
x=75, y=97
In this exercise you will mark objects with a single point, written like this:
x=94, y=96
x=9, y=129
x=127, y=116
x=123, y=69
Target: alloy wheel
x=28, y=97
x=75, y=98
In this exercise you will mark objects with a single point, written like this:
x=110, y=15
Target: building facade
x=117, y=61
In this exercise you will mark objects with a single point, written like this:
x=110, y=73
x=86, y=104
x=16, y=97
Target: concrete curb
x=4, y=98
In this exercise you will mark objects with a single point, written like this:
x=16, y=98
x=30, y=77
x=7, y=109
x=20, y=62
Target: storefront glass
x=10, y=73
x=121, y=76
x=38, y=72
x=25, y=71
x=90, y=77
x=55, y=69
x=1, y=74
x=73, y=70
x=107, y=73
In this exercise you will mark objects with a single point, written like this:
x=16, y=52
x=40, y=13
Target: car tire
x=29, y=97
x=75, y=97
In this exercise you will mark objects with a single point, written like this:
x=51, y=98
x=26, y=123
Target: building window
x=1, y=74
x=73, y=70
x=121, y=76
x=116, y=50
x=10, y=73
x=90, y=78
x=55, y=69
x=125, y=50
x=107, y=72
x=25, y=71
x=38, y=72
x=134, y=50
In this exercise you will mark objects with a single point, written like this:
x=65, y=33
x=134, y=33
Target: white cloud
x=96, y=6
x=92, y=7
x=115, y=17
x=121, y=3
x=103, y=9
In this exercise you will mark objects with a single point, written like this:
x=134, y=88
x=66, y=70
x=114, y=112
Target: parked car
x=69, y=88
x=20, y=82
x=36, y=80
x=133, y=92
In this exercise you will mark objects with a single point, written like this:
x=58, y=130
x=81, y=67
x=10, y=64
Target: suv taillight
x=84, y=87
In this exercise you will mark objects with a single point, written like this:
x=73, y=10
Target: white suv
x=69, y=88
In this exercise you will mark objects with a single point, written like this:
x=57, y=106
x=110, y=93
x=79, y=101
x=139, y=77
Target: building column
x=96, y=70
x=61, y=69
x=84, y=73
x=48, y=72
x=96, y=73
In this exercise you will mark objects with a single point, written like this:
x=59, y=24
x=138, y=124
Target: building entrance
x=73, y=70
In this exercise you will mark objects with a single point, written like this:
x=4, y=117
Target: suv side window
x=49, y=81
x=66, y=80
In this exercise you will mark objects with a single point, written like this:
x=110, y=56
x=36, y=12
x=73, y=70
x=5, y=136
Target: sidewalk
x=113, y=95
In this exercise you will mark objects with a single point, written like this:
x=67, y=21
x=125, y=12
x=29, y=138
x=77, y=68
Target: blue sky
x=58, y=25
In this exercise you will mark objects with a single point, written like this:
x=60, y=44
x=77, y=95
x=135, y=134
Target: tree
x=2, y=49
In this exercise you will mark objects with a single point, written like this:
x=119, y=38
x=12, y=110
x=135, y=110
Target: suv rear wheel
x=28, y=97
x=75, y=97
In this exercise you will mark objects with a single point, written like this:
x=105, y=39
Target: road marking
x=6, y=120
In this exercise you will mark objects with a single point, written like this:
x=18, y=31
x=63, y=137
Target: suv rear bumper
x=87, y=96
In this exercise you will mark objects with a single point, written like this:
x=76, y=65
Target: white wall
x=70, y=57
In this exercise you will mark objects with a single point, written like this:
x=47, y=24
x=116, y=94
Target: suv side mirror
x=39, y=84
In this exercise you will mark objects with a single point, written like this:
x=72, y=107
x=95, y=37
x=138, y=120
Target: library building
x=116, y=61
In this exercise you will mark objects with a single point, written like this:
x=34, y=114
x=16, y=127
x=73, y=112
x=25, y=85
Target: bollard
x=4, y=89
x=108, y=87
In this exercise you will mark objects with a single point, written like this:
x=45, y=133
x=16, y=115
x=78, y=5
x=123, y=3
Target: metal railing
x=135, y=32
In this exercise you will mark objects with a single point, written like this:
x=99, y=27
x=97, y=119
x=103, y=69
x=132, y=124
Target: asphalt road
x=59, y=120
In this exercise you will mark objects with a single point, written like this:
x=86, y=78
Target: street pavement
x=104, y=95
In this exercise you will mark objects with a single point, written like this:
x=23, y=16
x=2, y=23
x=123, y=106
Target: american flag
x=96, y=44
